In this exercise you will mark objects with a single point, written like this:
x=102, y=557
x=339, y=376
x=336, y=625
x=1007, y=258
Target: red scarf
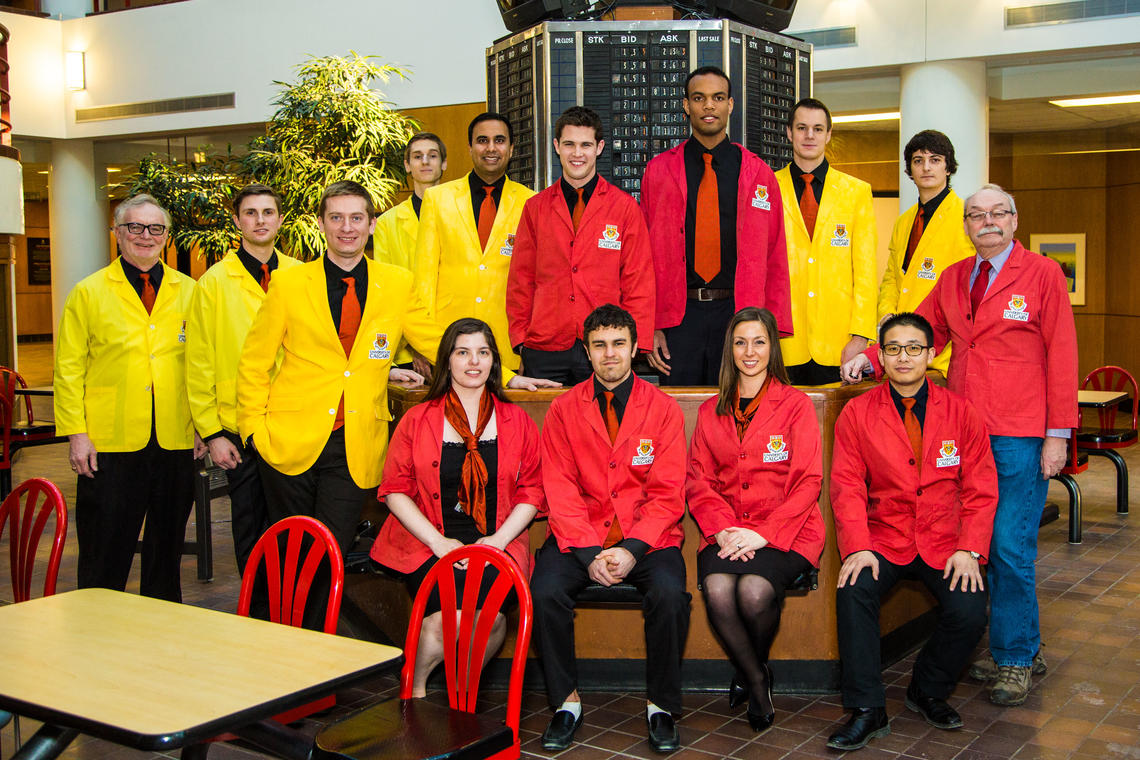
x=745, y=417
x=473, y=477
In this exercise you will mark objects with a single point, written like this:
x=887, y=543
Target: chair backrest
x=290, y=578
x=5, y=433
x=27, y=510
x=465, y=639
x=10, y=380
x=1112, y=378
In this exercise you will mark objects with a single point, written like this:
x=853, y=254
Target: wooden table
x=1099, y=399
x=156, y=675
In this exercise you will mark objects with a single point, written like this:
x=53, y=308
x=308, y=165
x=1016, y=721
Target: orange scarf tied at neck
x=473, y=476
x=745, y=417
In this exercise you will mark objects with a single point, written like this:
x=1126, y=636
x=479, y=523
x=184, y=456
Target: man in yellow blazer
x=929, y=236
x=120, y=398
x=830, y=227
x=394, y=241
x=467, y=236
x=226, y=299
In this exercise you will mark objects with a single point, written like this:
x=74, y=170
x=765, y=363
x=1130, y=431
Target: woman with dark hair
x=462, y=468
x=753, y=487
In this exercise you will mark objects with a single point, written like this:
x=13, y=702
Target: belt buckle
x=704, y=294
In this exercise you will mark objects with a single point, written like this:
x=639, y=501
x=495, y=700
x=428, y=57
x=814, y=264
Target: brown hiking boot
x=1011, y=687
x=986, y=669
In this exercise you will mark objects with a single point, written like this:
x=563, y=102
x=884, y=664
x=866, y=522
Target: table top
x=154, y=674
x=1099, y=398
x=41, y=390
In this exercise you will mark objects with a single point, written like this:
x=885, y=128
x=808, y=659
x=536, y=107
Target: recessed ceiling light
x=862, y=117
x=1107, y=100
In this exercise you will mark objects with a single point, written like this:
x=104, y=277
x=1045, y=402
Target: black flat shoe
x=935, y=711
x=737, y=692
x=560, y=733
x=761, y=723
x=865, y=724
x=663, y=735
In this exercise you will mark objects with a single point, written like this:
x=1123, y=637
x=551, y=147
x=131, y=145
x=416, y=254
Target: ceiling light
x=1107, y=100
x=862, y=117
x=113, y=169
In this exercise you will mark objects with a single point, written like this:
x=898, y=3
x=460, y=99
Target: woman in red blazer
x=462, y=468
x=753, y=485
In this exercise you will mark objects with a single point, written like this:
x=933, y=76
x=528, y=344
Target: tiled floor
x=1086, y=706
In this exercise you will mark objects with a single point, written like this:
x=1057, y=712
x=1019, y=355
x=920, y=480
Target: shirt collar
x=819, y=172
x=252, y=265
x=134, y=274
x=997, y=262
x=417, y=202
x=335, y=274
x=919, y=398
x=621, y=392
x=571, y=194
x=477, y=184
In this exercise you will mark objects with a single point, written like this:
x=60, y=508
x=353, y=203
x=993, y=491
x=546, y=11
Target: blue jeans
x=1015, y=632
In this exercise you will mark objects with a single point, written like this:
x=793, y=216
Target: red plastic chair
x=289, y=580
x=16, y=434
x=1106, y=439
x=1078, y=463
x=420, y=728
x=27, y=510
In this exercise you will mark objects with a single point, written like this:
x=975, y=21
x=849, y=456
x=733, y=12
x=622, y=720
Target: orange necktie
x=579, y=209
x=615, y=535
x=148, y=294
x=915, y=236
x=706, y=236
x=809, y=206
x=349, y=324
x=265, y=277
x=913, y=430
x=486, y=216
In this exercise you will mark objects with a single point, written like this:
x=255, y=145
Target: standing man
x=613, y=468
x=225, y=302
x=467, y=235
x=120, y=398
x=829, y=221
x=913, y=490
x=1007, y=311
x=717, y=234
x=394, y=242
x=928, y=237
x=581, y=243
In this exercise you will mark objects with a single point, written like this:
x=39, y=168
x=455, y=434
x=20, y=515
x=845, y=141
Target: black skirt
x=777, y=567
x=415, y=579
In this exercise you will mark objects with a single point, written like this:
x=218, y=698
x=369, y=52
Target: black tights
x=745, y=613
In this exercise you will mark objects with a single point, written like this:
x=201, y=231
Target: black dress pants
x=695, y=345
x=659, y=576
x=961, y=623
x=248, y=518
x=810, y=373
x=327, y=492
x=152, y=485
x=568, y=367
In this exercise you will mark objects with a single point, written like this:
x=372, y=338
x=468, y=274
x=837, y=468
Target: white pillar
x=78, y=211
x=949, y=96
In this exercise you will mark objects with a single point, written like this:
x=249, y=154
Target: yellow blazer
x=226, y=299
x=290, y=414
x=453, y=276
x=833, y=275
x=394, y=242
x=111, y=356
x=943, y=242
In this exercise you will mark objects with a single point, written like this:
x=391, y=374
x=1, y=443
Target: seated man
x=913, y=490
x=613, y=467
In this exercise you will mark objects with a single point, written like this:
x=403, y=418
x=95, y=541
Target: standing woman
x=463, y=468
x=753, y=487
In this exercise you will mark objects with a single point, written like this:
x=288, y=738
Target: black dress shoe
x=663, y=736
x=560, y=733
x=762, y=722
x=936, y=712
x=737, y=692
x=865, y=724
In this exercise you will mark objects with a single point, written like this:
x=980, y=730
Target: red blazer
x=558, y=276
x=412, y=469
x=761, y=255
x=768, y=482
x=640, y=476
x=1020, y=372
x=883, y=503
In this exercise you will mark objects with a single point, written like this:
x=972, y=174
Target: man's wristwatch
x=975, y=555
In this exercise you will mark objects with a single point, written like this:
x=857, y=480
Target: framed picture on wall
x=39, y=261
x=1068, y=250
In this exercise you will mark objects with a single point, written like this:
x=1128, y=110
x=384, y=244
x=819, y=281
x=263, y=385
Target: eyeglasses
x=912, y=349
x=997, y=215
x=156, y=230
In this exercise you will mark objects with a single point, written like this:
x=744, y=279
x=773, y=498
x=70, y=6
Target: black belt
x=709, y=294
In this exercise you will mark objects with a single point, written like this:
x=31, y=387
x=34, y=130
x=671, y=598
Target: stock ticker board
x=633, y=74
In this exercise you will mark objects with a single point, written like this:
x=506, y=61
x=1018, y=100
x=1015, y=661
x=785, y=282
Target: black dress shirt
x=253, y=266
x=726, y=165
x=134, y=275
x=417, y=201
x=919, y=403
x=477, y=194
x=571, y=194
x=798, y=184
x=334, y=278
x=621, y=396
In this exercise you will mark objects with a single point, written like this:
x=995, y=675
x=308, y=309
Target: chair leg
x=195, y=751
x=16, y=731
x=5, y=482
x=1121, y=476
x=1074, y=490
x=203, y=531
